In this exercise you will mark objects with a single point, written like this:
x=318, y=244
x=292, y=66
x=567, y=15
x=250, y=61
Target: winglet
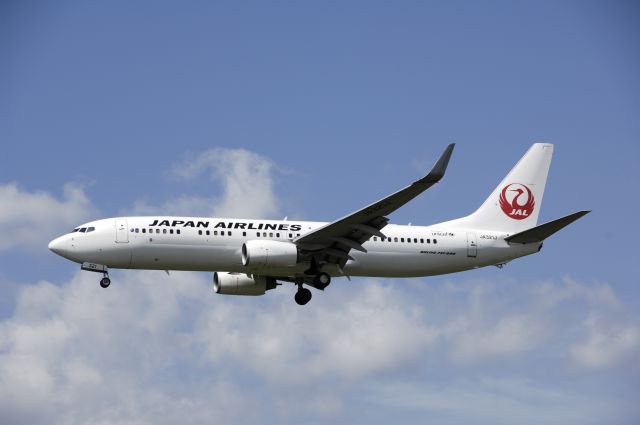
x=438, y=170
x=540, y=233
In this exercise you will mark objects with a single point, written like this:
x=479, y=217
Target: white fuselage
x=212, y=244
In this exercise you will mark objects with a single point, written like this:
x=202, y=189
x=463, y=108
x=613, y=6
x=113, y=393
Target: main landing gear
x=303, y=295
x=319, y=281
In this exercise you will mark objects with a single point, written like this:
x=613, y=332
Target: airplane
x=251, y=257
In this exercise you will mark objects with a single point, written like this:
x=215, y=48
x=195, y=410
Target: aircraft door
x=122, y=232
x=472, y=245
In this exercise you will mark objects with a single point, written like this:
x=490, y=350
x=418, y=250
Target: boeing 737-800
x=250, y=257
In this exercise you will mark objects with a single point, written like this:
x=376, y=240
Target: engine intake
x=266, y=253
x=241, y=284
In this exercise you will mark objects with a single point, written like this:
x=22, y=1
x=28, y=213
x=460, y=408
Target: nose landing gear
x=105, y=281
x=98, y=268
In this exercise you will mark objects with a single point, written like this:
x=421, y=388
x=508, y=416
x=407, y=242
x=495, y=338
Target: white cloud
x=29, y=220
x=79, y=354
x=350, y=338
x=528, y=316
x=608, y=344
x=550, y=294
x=245, y=179
x=184, y=205
x=493, y=401
x=87, y=355
x=473, y=339
x=159, y=349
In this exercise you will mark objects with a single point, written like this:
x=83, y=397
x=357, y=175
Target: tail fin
x=515, y=204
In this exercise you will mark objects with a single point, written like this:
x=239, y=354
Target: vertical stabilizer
x=515, y=204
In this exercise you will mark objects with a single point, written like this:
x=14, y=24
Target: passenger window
x=428, y=240
x=258, y=234
x=401, y=239
x=375, y=239
x=395, y=239
x=270, y=235
x=277, y=235
x=229, y=233
x=264, y=234
x=421, y=240
x=435, y=241
x=157, y=230
x=290, y=235
x=208, y=233
x=222, y=233
x=171, y=231
x=415, y=240
x=164, y=231
x=215, y=233
x=199, y=232
x=244, y=233
x=178, y=231
x=298, y=234
x=143, y=230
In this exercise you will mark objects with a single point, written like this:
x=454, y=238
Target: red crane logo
x=516, y=201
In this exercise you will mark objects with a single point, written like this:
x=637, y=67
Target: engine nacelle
x=241, y=284
x=266, y=253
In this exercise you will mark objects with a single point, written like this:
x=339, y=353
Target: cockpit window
x=90, y=229
x=83, y=229
x=75, y=230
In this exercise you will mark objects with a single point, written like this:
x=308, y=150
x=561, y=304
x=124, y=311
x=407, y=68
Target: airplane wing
x=333, y=242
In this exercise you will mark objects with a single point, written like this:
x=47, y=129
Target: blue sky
x=312, y=110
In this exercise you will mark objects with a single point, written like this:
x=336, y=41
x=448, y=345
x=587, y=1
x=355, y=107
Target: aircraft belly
x=405, y=264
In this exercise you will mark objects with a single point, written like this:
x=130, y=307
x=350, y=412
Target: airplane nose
x=57, y=246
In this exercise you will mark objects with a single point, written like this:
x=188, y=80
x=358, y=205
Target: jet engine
x=267, y=253
x=241, y=284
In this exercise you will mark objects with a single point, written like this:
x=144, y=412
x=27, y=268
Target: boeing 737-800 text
x=250, y=257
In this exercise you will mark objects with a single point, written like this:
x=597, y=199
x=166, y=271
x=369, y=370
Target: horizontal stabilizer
x=542, y=232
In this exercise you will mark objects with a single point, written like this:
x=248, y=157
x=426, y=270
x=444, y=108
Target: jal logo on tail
x=516, y=201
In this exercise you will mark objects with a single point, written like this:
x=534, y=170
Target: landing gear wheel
x=303, y=296
x=322, y=280
x=105, y=282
